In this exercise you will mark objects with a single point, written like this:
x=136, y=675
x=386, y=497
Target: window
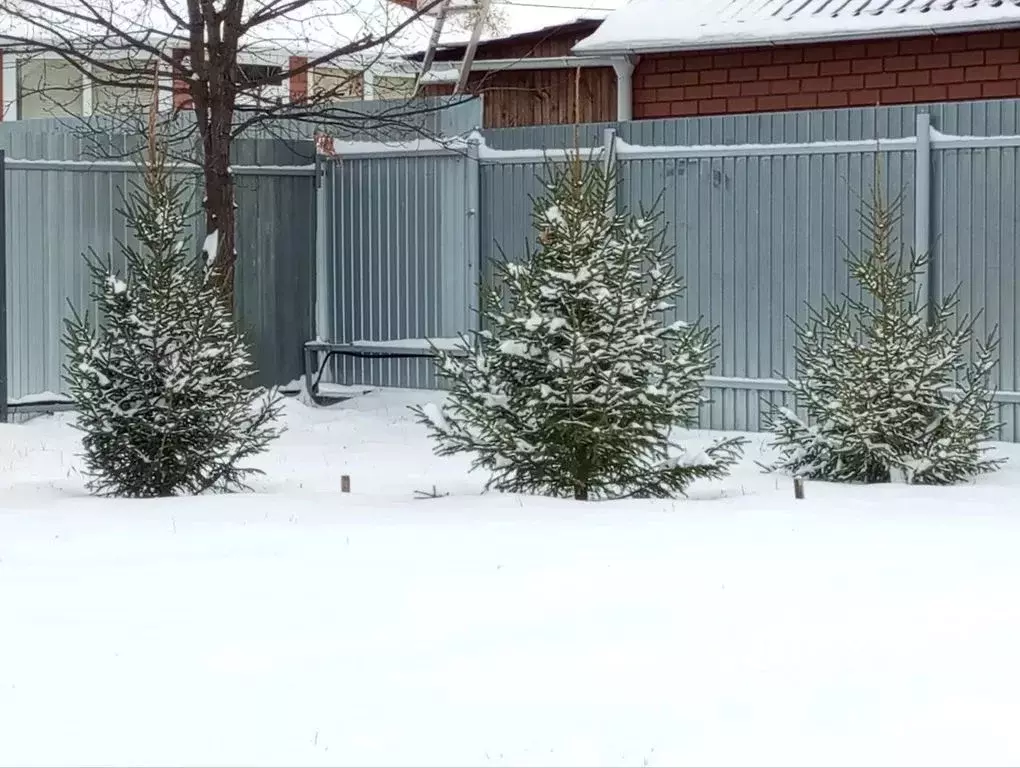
x=270, y=91
x=341, y=84
x=259, y=73
x=48, y=88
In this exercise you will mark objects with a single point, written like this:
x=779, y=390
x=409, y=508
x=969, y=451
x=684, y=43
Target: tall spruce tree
x=888, y=390
x=578, y=380
x=160, y=381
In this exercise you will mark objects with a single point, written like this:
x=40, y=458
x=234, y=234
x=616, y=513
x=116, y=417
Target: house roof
x=455, y=51
x=648, y=26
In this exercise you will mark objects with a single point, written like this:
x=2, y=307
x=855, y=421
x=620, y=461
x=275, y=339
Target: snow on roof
x=518, y=25
x=517, y=20
x=646, y=26
x=450, y=45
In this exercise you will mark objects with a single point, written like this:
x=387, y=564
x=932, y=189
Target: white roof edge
x=789, y=37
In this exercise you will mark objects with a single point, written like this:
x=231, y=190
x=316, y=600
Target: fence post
x=922, y=211
x=472, y=233
x=609, y=160
x=324, y=248
x=4, y=389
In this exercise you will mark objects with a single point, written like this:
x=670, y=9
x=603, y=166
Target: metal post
x=4, y=389
x=472, y=234
x=324, y=246
x=922, y=211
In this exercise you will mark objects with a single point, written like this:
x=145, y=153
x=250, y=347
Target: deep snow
x=300, y=626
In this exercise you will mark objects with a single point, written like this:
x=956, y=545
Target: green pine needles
x=894, y=388
x=579, y=379
x=159, y=378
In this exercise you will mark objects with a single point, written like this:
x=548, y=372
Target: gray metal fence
x=394, y=277
x=62, y=202
x=759, y=210
x=64, y=179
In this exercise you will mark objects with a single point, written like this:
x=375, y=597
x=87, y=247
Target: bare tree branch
x=207, y=53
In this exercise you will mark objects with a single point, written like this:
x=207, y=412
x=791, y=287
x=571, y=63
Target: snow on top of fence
x=639, y=151
x=474, y=144
x=129, y=166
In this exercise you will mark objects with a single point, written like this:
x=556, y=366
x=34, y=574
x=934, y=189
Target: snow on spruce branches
x=889, y=392
x=578, y=379
x=160, y=382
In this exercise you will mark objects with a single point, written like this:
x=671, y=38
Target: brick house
x=710, y=57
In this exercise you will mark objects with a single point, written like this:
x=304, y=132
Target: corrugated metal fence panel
x=275, y=279
x=507, y=192
x=54, y=216
x=398, y=259
x=56, y=213
x=756, y=238
x=975, y=245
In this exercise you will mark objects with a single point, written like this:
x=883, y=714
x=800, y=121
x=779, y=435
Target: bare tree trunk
x=205, y=70
x=214, y=57
x=219, y=202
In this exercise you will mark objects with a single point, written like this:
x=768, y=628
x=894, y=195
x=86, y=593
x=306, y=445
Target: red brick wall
x=298, y=84
x=182, y=89
x=960, y=67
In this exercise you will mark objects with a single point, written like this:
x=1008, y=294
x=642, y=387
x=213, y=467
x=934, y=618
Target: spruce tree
x=159, y=378
x=885, y=381
x=576, y=382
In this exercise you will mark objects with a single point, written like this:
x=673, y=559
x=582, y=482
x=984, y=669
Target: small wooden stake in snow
x=345, y=483
x=798, y=487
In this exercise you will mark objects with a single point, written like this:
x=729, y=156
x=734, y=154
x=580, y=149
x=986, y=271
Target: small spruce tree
x=159, y=380
x=575, y=385
x=887, y=388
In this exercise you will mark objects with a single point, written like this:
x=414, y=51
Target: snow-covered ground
x=301, y=626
